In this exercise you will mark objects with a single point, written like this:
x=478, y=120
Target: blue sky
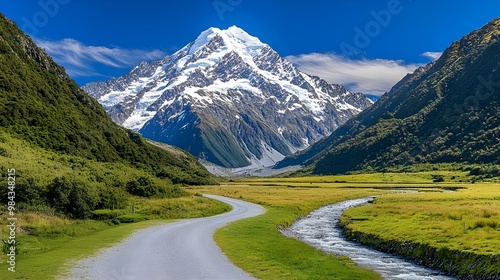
x=367, y=45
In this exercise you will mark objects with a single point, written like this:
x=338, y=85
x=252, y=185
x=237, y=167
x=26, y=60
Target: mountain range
x=228, y=99
x=445, y=112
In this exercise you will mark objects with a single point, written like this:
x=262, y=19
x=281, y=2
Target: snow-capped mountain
x=228, y=99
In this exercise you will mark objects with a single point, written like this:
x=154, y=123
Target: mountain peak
x=229, y=99
x=234, y=38
x=236, y=33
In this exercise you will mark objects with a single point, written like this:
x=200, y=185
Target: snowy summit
x=228, y=99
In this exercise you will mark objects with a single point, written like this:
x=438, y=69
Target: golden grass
x=372, y=178
x=465, y=220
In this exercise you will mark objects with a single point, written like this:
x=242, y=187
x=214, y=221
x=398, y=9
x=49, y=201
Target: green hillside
x=65, y=148
x=445, y=112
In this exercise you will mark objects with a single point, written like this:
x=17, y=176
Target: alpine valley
x=228, y=99
x=78, y=174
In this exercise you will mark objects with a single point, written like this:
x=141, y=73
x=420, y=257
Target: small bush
x=3, y=152
x=130, y=218
x=142, y=186
x=6, y=247
x=146, y=187
x=112, y=198
x=437, y=178
x=476, y=171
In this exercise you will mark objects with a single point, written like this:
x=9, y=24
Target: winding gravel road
x=182, y=250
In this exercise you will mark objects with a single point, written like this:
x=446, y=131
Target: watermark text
x=11, y=207
x=223, y=6
x=373, y=28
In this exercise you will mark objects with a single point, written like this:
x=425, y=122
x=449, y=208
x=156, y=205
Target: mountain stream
x=321, y=230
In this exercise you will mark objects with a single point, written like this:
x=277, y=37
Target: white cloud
x=432, y=55
x=370, y=76
x=79, y=59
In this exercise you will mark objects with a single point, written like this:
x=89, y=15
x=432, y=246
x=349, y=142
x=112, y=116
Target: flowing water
x=321, y=230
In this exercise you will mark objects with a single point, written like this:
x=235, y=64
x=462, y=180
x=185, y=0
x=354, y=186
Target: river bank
x=463, y=265
x=321, y=229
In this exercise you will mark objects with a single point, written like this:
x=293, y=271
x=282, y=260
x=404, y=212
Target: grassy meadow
x=466, y=220
x=458, y=216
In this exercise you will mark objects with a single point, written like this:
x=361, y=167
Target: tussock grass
x=465, y=220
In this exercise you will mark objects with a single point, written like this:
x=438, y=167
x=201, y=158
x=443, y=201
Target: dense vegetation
x=446, y=112
x=67, y=153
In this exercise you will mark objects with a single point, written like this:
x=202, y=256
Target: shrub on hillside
x=72, y=197
x=112, y=198
x=146, y=187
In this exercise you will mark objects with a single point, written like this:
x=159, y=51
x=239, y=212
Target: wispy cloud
x=80, y=60
x=375, y=76
x=432, y=55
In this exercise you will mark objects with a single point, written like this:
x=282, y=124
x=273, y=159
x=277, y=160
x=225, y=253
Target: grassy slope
x=43, y=166
x=444, y=114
